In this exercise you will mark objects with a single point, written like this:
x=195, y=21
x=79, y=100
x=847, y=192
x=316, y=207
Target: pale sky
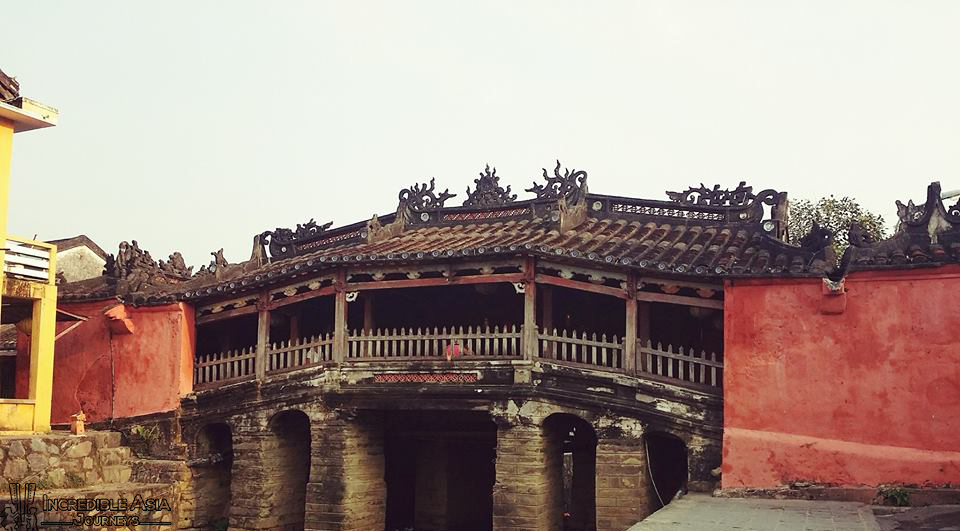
x=192, y=126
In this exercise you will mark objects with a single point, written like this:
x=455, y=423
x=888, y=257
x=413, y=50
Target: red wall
x=866, y=397
x=117, y=375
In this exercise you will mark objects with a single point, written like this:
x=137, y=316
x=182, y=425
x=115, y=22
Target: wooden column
x=529, y=310
x=263, y=334
x=340, y=318
x=630, y=337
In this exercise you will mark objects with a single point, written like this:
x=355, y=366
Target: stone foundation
x=353, y=456
x=59, y=459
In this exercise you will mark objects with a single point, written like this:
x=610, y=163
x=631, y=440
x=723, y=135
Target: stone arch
x=286, y=458
x=669, y=469
x=571, y=460
x=212, y=473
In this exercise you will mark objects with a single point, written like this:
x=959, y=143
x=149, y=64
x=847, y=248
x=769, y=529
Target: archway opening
x=439, y=470
x=288, y=458
x=668, y=464
x=572, y=468
x=212, y=475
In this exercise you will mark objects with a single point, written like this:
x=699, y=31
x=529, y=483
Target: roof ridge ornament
x=302, y=232
x=421, y=197
x=489, y=192
x=703, y=196
x=571, y=185
x=176, y=266
x=135, y=266
x=280, y=240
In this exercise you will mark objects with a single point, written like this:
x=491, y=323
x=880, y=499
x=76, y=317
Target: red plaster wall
x=866, y=397
x=114, y=375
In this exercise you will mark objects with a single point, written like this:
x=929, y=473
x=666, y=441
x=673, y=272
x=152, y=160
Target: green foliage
x=143, y=438
x=149, y=435
x=896, y=496
x=836, y=215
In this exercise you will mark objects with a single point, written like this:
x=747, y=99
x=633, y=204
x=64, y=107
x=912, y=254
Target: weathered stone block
x=16, y=449
x=15, y=469
x=38, y=462
x=57, y=477
x=80, y=449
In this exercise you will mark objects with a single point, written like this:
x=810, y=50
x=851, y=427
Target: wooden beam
x=582, y=286
x=263, y=335
x=680, y=299
x=681, y=283
x=227, y=314
x=622, y=293
x=424, y=282
x=630, y=337
x=340, y=318
x=322, y=292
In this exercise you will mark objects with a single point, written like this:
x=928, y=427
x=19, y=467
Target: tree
x=836, y=215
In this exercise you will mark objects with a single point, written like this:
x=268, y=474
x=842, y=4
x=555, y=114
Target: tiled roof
x=9, y=88
x=927, y=234
x=706, y=233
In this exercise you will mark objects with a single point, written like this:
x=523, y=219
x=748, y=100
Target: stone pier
x=346, y=491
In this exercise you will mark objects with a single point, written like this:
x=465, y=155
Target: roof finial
x=489, y=192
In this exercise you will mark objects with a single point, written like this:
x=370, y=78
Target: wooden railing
x=223, y=367
x=438, y=343
x=581, y=348
x=301, y=352
x=578, y=349
x=30, y=260
x=705, y=368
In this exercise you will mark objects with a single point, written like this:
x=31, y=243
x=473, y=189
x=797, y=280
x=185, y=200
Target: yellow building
x=28, y=292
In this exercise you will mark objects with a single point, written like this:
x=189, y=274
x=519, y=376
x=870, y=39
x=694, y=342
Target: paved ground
x=933, y=518
x=701, y=512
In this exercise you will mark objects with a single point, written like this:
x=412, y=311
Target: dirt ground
x=932, y=518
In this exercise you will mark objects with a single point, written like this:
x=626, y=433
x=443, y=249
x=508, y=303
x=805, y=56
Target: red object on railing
x=453, y=350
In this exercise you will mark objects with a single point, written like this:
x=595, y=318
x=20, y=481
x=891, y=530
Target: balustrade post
x=263, y=335
x=340, y=317
x=630, y=338
x=529, y=310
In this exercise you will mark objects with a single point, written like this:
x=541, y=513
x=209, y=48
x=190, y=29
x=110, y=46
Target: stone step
x=117, y=473
x=114, y=456
x=106, y=439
